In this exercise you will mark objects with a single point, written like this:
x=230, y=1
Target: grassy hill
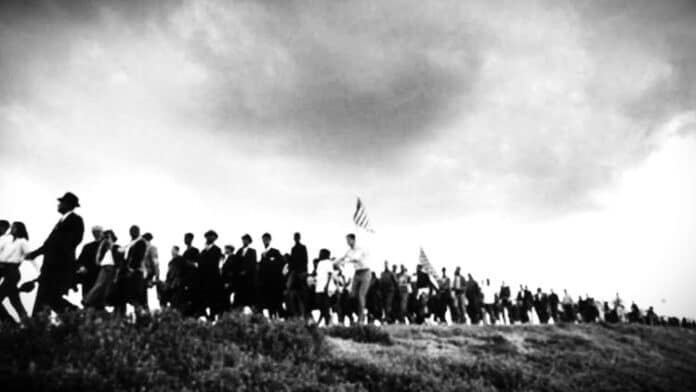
x=90, y=352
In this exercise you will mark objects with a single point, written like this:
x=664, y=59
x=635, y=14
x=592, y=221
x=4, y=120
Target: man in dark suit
x=58, y=268
x=271, y=284
x=137, y=271
x=88, y=267
x=245, y=294
x=229, y=274
x=297, y=290
x=210, y=295
x=191, y=254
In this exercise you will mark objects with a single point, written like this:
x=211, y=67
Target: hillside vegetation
x=164, y=352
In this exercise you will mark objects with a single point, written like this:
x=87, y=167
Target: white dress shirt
x=108, y=258
x=356, y=256
x=489, y=293
x=324, y=268
x=62, y=218
x=14, y=250
x=4, y=240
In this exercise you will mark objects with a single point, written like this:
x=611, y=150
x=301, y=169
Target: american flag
x=360, y=217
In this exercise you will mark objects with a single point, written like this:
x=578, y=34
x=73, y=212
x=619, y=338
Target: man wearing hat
x=211, y=290
x=271, y=283
x=245, y=294
x=58, y=268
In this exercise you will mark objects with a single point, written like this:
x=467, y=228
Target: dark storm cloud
x=460, y=104
x=335, y=76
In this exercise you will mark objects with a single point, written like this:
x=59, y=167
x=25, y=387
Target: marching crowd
x=210, y=281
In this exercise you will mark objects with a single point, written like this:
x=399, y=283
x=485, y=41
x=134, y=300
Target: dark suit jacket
x=271, y=270
x=136, y=254
x=191, y=254
x=246, y=290
x=58, y=250
x=298, y=259
x=247, y=263
x=209, y=264
x=88, y=259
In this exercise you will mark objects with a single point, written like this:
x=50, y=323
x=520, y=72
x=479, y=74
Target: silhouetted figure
x=527, y=304
x=522, y=304
x=405, y=289
x=271, y=282
x=474, y=300
x=651, y=318
x=87, y=263
x=210, y=294
x=245, y=294
x=174, y=290
x=373, y=299
x=191, y=254
x=634, y=316
x=58, y=268
x=568, y=310
x=108, y=258
x=505, y=296
x=388, y=287
x=458, y=290
x=445, y=298
x=230, y=274
x=541, y=305
x=553, y=306
x=610, y=315
x=136, y=273
x=296, y=288
x=152, y=269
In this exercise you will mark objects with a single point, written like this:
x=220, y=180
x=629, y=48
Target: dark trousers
x=88, y=281
x=133, y=291
x=9, y=272
x=387, y=303
x=49, y=296
x=296, y=294
x=96, y=297
x=324, y=304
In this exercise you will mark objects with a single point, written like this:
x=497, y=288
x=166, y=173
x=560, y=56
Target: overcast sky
x=542, y=142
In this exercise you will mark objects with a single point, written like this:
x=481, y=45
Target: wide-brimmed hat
x=210, y=233
x=70, y=198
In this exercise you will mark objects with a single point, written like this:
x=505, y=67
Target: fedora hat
x=70, y=198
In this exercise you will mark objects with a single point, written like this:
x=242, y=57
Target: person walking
x=325, y=286
x=88, y=267
x=108, y=257
x=245, y=294
x=271, y=284
x=58, y=251
x=362, y=276
x=388, y=287
x=134, y=272
x=296, y=284
x=12, y=254
x=211, y=291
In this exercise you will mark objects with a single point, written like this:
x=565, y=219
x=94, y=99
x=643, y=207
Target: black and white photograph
x=348, y=195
